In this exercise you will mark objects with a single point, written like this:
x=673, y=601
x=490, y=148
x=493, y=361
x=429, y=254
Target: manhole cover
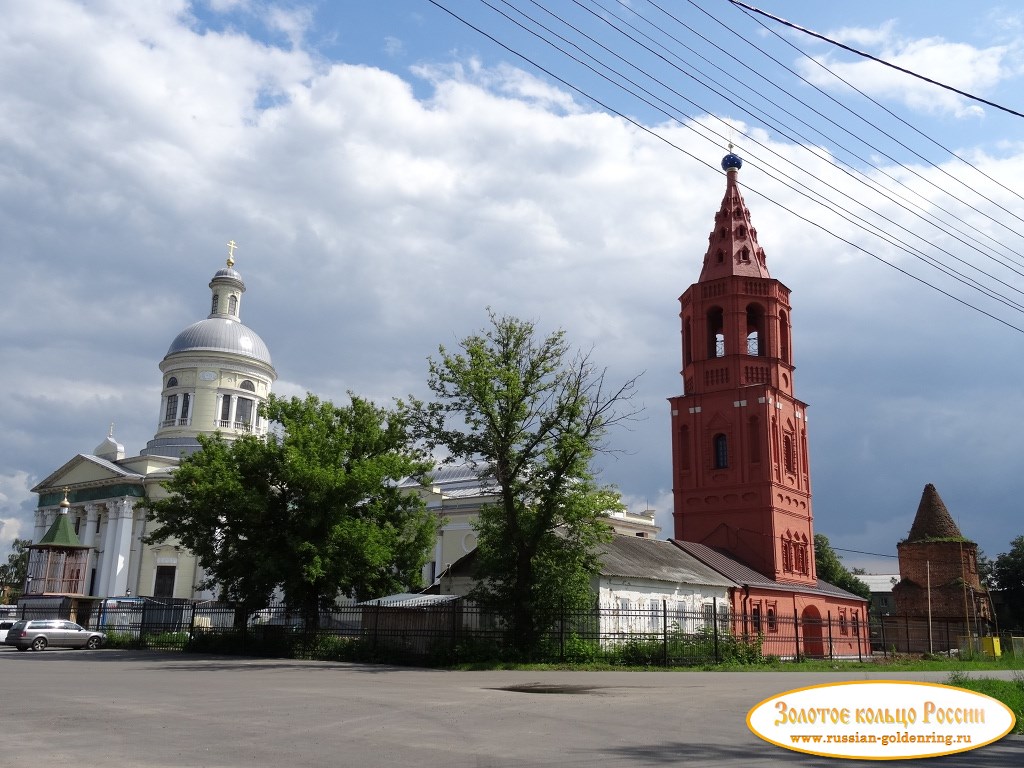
x=544, y=688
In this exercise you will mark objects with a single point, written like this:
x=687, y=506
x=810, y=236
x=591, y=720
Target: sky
x=390, y=171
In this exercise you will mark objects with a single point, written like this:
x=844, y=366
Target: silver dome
x=221, y=335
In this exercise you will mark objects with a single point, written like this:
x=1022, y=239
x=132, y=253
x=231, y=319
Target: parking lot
x=124, y=709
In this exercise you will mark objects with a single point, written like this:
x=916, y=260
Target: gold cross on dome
x=231, y=252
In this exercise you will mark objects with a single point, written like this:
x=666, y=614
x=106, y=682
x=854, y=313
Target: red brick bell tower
x=741, y=480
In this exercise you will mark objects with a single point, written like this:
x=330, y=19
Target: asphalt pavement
x=120, y=709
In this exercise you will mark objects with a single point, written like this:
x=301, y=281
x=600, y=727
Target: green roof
x=61, y=534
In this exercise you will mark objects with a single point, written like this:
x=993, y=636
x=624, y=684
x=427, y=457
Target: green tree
x=532, y=413
x=13, y=572
x=831, y=569
x=314, y=508
x=1008, y=575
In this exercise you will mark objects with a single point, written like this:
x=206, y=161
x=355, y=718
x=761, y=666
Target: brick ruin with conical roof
x=936, y=560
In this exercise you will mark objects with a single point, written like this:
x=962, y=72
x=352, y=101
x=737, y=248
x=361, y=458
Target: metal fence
x=458, y=631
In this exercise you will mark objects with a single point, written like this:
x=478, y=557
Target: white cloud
x=959, y=65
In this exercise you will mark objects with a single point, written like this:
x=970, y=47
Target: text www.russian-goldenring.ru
x=885, y=739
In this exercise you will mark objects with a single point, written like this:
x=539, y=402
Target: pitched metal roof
x=61, y=534
x=642, y=558
x=410, y=600
x=745, y=575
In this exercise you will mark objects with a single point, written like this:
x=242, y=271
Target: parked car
x=37, y=634
x=5, y=624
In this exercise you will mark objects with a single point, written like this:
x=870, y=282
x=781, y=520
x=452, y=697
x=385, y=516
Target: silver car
x=37, y=634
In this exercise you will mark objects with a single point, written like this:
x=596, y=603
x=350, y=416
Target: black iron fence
x=446, y=631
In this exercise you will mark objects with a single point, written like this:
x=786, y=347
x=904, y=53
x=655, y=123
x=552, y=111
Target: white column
x=40, y=529
x=135, y=553
x=92, y=525
x=107, y=554
x=122, y=545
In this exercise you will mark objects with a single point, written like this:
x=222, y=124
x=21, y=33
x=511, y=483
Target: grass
x=1010, y=692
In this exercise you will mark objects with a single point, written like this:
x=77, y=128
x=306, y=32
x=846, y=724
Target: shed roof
x=644, y=558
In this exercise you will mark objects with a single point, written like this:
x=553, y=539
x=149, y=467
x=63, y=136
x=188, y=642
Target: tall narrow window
x=215, y=305
x=784, y=336
x=183, y=416
x=755, y=615
x=720, y=446
x=243, y=412
x=755, y=330
x=225, y=409
x=716, y=332
x=171, y=413
x=163, y=586
x=233, y=305
x=687, y=352
x=788, y=455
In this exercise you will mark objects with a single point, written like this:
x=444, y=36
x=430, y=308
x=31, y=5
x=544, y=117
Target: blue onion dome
x=732, y=162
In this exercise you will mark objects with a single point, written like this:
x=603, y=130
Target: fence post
x=829, y=614
x=714, y=625
x=906, y=629
x=561, y=629
x=796, y=633
x=867, y=624
x=664, y=633
x=948, y=646
x=192, y=626
x=881, y=635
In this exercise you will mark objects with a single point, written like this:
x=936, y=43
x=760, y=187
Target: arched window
x=772, y=624
x=745, y=254
x=247, y=385
x=215, y=306
x=172, y=382
x=788, y=453
x=784, y=336
x=787, y=554
x=755, y=615
x=716, y=332
x=720, y=256
x=755, y=330
x=233, y=305
x=842, y=622
x=720, y=445
x=687, y=335
x=856, y=624
x=741, y=231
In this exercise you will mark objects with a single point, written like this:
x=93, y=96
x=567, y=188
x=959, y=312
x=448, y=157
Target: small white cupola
x=227, y=289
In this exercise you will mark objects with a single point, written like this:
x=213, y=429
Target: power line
x=675, y=146
x=817, y=197
x=845, y=47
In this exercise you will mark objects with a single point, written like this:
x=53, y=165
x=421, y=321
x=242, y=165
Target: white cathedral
x=90, y=521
